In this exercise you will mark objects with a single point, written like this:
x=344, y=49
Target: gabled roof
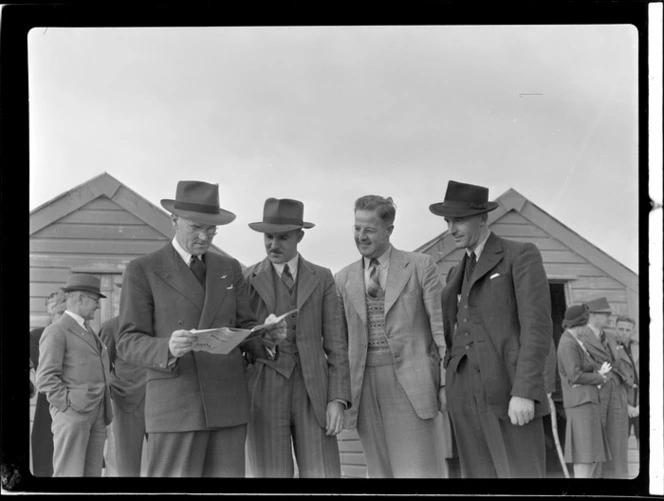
x=513, y=200
x=103, y=185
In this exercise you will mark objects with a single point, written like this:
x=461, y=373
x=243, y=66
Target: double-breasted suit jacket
x=413, y=326
x=510, y=321
x=321, y=344
x=160, y=295
x=73, y=368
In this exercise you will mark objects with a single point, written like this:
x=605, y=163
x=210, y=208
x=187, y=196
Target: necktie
x=470, y=266
x=198, y=267
x=92, y=334
x=374, y=289
x=287, y=278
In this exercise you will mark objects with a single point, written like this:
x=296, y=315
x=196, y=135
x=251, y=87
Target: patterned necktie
x=198, y=267
x=374, y=289
x=287, y=278
x=470, y=266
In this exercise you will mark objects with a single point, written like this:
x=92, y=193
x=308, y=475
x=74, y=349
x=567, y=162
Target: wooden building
x=577, y=271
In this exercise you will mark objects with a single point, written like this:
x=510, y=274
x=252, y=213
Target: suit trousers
x=490, y=447
x=281, y=409
x=128, y=434
x=78, y=442
x=396, y=441
x=217, y=452
x=614, y=417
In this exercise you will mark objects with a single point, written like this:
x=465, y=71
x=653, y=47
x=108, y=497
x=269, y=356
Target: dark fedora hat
x=280, y=216
x=198, y=201
x=576, y=315
x=83, y=282
x=463, y=200
x=599, y=305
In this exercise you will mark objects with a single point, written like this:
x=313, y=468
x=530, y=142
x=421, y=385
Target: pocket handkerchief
x=494, y=276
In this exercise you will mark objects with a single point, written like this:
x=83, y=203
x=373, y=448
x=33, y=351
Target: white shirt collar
x=480, y=247
x=383, y=259
x=292, y=266
x=186, y=256
x=79, y=319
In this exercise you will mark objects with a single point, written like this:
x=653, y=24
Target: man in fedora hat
x=300, y=396
x=390, y=303
x=604, y=347
x=196, y=403
x=498, y=330
x=73, y=372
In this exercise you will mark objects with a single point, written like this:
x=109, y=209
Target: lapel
x=397, y=277
x=218, y=281
x=262, y=280
x=307, y=281
x=73, y=326
x=592, y=342
x=173, y=270
x=490, y=257
x=356, y=292
x=454, y=285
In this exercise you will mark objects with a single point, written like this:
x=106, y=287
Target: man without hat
x=498, y=330
x=196, y=403
x=603, y=347
x=390, y=303
x=73, y=372
x=629, y=341
x=300, y=396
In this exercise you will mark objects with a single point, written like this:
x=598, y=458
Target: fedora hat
x=463, y=200
x=83, y=282
x=280, y=216
x=576, y=315
x=198, y=201
x=599, y=305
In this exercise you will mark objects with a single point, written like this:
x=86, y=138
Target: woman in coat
x=585, y=442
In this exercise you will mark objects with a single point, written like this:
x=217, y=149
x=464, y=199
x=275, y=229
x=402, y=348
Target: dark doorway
x=553, y=466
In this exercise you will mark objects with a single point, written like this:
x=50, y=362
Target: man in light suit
x=304, y=392
x=498, y=330
x=390, y=302
x=604, y=347
x=196, y=403
x=73, y=372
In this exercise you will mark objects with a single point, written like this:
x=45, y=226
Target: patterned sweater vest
x=378, y=352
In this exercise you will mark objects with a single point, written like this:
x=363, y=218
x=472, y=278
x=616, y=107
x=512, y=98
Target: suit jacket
x=322, y=346
x=510, y=318
x=620, y=365
x=632, y=393
x=127, y=380
x=73, y=372
x=413, y=326
x=578, y=378
x=160, y=295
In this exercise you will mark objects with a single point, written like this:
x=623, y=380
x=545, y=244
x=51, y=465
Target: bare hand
x=633, y=412
x=442, y=399
x=180, y=343
x=334, y=418
x=521, y=410
x=604, y=369
x=276, y=332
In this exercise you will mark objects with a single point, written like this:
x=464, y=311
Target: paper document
x=222, y=340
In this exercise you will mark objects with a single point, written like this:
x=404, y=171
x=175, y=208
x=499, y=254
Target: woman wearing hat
x=580, y=376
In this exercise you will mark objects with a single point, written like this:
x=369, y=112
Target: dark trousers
x=128, y=433
x=490, y=447
x=42, y=439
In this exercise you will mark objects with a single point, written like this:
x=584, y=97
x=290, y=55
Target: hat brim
x=440, y=209
x=607, y=312
x=82, y=288
x=279, y=228
x=218, y=219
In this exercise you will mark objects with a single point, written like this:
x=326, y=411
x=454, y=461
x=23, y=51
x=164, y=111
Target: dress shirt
x=79, y=319
x=292, y=266
x=186, y=256
x=478, y=248
x=384, y=264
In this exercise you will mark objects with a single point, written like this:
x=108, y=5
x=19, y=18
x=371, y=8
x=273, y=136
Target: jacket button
x=465, y=320
x=180, y=322
x=468, y=347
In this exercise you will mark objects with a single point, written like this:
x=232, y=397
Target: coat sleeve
x=245, y=318
x=432, y=291
x=52, y=346
x=570, y=359
x=107, y=334
x=335, y=344
x=533, y=302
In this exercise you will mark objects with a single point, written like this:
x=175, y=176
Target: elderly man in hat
x=603, y=347
x=300, y=396
x=73, y=372
x=196, y=403
x=498, y=330
x=391, y=315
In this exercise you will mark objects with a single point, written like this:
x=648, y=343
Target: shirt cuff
x=342, y=401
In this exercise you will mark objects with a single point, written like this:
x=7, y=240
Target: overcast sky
x=325, y=115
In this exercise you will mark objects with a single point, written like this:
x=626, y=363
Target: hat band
x=208, y=209
x=282, y=220
x=465, y=205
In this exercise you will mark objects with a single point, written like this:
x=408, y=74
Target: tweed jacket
x=578, y=377
x=413, y=326
x=160, y=295
x=321, y=344
x=510, y=315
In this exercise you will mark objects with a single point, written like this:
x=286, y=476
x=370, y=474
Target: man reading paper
x=196, y=403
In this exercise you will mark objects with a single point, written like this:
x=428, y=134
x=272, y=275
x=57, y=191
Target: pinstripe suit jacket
x=322, y=347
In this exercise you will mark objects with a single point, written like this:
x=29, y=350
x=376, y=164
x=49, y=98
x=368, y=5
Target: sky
x=328, y=114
